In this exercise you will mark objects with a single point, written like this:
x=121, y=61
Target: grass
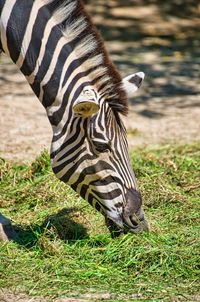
x=65, y=250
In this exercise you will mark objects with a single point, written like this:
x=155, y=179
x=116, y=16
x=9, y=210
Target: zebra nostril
x=133, y=221
x=136, y=223
x=130, y=222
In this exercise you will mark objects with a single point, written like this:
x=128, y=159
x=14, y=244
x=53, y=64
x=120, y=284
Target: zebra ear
x=132, y=82
x=86, y=105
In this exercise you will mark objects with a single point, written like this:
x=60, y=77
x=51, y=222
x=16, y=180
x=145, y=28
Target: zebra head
x=95, y=160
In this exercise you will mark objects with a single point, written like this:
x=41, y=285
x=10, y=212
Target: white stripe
x=5, y=15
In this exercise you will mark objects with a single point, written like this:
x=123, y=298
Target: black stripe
x=83, y=191
x=2, y=3
x=100, y=119
x=16, y=27
x=106, y=181
x=97, y=207
x=1, y=48
x=1, y=8
x=93, y=203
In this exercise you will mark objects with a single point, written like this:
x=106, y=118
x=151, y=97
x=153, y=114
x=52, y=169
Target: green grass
x=65, y=249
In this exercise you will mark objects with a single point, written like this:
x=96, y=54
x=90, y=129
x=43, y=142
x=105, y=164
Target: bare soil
x=9, y=296
x=24, y=128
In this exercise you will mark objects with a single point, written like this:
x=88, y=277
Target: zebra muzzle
x=136, y=224
x=133, y=215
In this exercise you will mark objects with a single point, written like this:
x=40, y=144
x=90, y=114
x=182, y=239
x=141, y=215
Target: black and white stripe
x=56, y=46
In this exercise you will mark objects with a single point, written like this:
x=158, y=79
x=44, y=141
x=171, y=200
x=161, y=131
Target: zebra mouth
x=127, y=224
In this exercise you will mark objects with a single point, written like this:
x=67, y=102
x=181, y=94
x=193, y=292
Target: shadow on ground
x=60, y=225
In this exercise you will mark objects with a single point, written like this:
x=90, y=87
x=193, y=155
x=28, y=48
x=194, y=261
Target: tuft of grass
x=64, y=248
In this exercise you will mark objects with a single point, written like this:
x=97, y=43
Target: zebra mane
x=77, y=25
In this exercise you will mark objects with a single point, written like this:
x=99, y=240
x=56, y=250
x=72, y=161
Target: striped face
x=94, y=161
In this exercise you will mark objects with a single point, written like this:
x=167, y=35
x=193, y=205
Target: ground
x=161, y=43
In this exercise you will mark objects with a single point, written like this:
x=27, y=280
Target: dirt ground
x=9, y=296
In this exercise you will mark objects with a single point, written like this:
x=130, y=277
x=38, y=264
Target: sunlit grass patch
x=65, y=249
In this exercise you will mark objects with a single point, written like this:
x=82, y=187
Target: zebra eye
x=101, y=146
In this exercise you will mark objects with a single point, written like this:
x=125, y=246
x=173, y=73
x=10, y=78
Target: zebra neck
x=58, y=49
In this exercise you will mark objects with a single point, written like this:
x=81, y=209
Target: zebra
x=57, y=47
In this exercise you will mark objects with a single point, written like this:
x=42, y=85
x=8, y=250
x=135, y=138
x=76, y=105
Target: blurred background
x=160, y=38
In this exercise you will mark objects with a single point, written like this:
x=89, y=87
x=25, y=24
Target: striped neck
x=54, y=43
